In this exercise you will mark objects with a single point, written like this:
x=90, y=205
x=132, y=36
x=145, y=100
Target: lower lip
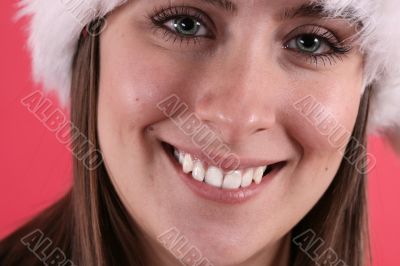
x=233, y=196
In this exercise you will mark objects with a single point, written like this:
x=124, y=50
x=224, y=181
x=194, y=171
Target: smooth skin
x=242, y=83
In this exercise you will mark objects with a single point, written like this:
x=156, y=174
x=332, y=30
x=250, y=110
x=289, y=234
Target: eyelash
x=161, y=15
x=339, y=49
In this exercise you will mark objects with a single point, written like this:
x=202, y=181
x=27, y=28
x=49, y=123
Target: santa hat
x=56, y=26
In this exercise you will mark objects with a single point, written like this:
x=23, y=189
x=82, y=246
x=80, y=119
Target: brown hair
x=92, y=226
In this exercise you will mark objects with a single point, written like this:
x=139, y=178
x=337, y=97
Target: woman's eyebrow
x=315, y=10
x=305, y=10
x=227, y=5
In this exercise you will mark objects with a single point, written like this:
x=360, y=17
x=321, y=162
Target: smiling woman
x=213, y=152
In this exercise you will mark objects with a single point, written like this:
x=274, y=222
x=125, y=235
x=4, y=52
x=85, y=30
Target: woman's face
x=245, y=74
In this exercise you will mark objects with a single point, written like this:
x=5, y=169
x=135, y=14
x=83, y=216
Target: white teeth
x=247, y=177
x=214, y=176
x=177, y=154
x=187, y=163
x=258, y=173
x=232, y=180
x=198, y=172
x=181, y=156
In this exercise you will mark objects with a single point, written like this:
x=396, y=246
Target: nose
x=238, y=99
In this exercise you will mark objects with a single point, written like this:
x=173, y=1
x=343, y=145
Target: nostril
x=260, y=129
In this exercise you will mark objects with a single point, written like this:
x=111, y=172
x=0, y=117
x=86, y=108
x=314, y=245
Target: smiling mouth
x=239, y=180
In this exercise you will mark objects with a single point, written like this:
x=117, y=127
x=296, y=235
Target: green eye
x=187, y=26
x=308, y=43
x=315, y=43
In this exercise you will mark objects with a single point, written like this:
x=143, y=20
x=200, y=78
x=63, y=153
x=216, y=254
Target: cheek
x=323, y=113
x=320, y=119
x=131, y=89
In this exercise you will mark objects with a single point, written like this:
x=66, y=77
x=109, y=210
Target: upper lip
x=243, y=162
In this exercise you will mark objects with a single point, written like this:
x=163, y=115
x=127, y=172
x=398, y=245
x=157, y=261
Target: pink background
x=36, y=168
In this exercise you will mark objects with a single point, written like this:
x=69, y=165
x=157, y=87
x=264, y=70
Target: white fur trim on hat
x=57, y=24
x=54, y=32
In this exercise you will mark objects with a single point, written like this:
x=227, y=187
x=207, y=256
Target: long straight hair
x=93, y=227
